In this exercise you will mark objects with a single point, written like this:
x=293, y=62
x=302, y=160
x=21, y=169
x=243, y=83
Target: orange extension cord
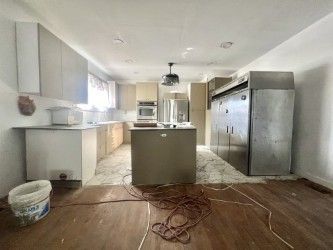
x=186, y=211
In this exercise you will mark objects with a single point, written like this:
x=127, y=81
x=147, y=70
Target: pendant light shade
x=170, y=79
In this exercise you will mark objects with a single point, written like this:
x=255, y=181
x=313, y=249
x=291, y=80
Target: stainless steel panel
x=271, y=136
x=261, y=80
x=271, y=80
x=175, y=110
x=214, y=126
x=239, y=130
x=223, y=128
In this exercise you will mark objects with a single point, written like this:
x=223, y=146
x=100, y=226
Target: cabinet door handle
x=227, y=129
x=232, y=130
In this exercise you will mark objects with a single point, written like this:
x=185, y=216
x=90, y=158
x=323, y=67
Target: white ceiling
x=159, y=31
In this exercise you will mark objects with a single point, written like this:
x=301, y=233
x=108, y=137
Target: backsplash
x=96, y=116
x=123, y=115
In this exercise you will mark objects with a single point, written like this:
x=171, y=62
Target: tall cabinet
x=252, y=121
x=197, y=96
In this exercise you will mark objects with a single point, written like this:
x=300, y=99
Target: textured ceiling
x=158, y=31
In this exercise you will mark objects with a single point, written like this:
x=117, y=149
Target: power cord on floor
x=147, y=229
x=179, y=204
x=260, y=205
x=191, y=208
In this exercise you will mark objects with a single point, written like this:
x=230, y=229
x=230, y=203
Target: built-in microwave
x=147, y=110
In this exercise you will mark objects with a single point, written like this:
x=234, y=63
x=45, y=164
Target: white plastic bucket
x=30, y=202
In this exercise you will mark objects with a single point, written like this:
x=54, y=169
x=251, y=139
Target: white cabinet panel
x=74, y=76
x=50, y=153
x=89, y=154
x=49, y=67
x=53, y=152
x=28, y=57
x=50, y=64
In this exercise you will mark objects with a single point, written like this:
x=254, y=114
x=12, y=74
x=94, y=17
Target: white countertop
x=69, y=127
x=60, y=127
x=109, y=122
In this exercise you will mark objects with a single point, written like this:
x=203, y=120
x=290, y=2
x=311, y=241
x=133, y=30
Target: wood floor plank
x=301, y=215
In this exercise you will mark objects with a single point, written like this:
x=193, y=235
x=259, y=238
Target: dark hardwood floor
x=302, y=215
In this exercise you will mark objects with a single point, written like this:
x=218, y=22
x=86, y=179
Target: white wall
x=92, y=68
x=309, y=55
x=12, y=142
x=12, y=149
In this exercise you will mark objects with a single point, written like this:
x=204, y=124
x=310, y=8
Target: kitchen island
x=163, y=155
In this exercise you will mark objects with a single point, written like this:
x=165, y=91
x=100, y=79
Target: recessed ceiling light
x=118, y=41
x=189, y=48
x=212, y=63
x=129, y=61
x=226, y=45
x=136, y=72
x=184, y=54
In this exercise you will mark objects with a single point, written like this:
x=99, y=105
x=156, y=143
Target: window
x=100, y=94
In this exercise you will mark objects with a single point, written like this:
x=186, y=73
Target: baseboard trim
x=315, y=179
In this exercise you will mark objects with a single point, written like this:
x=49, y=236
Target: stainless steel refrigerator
x=252, y=122
x=175, y=110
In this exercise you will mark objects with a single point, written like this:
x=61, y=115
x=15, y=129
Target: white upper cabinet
x=27, y=44
x=74, y=75
x=48, y=67
x=50, y=64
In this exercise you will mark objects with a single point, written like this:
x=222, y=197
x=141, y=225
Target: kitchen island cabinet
x=163, y=155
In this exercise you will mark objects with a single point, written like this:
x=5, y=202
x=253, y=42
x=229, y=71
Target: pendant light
x=170, y=79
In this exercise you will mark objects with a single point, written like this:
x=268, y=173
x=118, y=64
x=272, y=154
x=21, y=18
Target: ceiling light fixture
x=184, y=54
x=212, y=63
x=226, y=45
x=189, y=48
x=118, y=41
x=170, y=79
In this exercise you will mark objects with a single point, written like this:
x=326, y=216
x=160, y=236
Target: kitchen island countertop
x=162, y=128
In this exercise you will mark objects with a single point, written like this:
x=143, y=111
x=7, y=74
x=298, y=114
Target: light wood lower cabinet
x=101, y=142
x=109, y=137
x=114, y=137
x=127, y=133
